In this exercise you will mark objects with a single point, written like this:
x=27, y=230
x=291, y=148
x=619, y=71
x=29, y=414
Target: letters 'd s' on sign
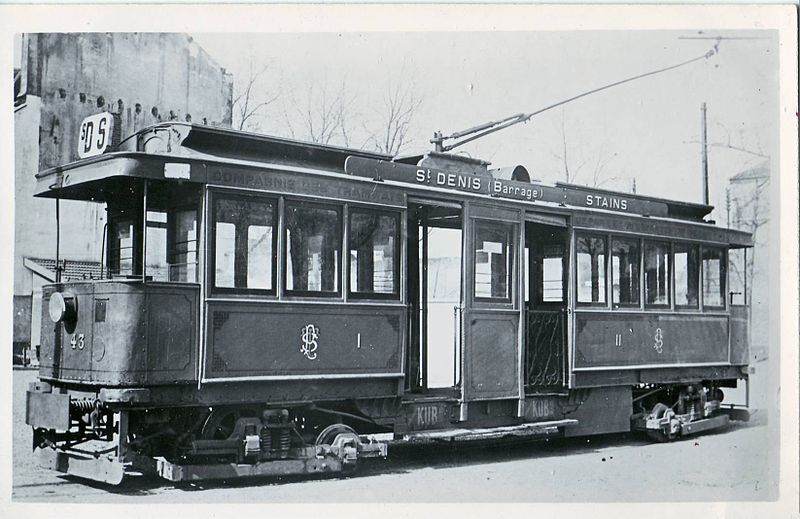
x=95, y=134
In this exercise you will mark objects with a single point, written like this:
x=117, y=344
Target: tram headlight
x=63, y=307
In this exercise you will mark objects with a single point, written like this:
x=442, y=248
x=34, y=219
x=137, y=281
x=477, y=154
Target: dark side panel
x=280, y=339
x=632, y=339
x=492, y=369
x=600, y=410
x=125, y=334
x=740, y=333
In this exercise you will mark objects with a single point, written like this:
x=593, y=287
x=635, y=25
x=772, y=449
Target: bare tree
x=250, y=101
x=396, y=115
x=322, y=117
x=573, y=167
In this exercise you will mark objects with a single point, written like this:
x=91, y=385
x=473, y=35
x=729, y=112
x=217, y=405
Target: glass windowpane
x=713, y=277
x=687, y=274
x=156, y=261
x=656, y=273
x=625, y=271
x=121, y=248
x=313, y=243
x=183, y=247
x=244, y=244
x=493, y=260
x=591, y=269
x=373, y=253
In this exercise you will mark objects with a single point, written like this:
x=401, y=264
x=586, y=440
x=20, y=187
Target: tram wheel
x=220, y=424
x=658, y=435
x=328, y=434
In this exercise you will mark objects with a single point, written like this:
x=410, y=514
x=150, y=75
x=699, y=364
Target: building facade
x=143, y=78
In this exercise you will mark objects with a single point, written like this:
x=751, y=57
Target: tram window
x=687, y=274
x=182, y=251
x=549, y=275
x=156, y=261
x=244, y=243
x=172, y=246
x=656, y=273
x=314, y=244
x=120, y=252
x=738, y=276
x=591, y=274
x=713, y=278
x=373, y=241
x=625, y=271
x=493, y=260
x=552, y=278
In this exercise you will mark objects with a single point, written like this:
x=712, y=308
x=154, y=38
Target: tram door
x=546, y=268
x=434, y=292
x=491, y=318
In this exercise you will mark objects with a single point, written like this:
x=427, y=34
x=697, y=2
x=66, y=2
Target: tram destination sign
x=486, y=184
x=466, y=181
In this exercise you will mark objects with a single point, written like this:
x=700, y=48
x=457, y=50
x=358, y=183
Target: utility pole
x=704, y=151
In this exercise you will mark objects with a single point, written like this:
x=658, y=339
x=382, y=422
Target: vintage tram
x=270, y=306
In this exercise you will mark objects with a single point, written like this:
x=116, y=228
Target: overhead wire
x=524, y=117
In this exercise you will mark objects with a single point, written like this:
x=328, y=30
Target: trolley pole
x=704, y=153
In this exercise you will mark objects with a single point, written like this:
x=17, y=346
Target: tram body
x=272, y=307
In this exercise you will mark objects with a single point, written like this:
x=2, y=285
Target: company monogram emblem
x=658, y=345
x=309, y=336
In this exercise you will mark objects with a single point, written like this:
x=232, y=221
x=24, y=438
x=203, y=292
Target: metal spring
x=281, y=439
x=266, y=439
x=82, y=406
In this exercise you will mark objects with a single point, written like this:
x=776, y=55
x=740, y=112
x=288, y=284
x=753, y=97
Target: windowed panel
x=713, y=277
x=493, y=260
x=373, y=253
x=313, y=243
x=625, y=271
x=591, y=267
x=687, y=275
x=244, y=243
x=656, y=273
x=120, y=253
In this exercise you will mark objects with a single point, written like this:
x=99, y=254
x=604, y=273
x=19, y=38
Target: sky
x=648, y=129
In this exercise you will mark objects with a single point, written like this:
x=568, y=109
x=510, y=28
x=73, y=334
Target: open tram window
x=182, y=246
x=656, y=274
x=625, y=271
x=493, y=260
x=244, y=243
x=714, y=271
x=738, y=276
x=172, y=245
x=156, y=255
x=374, y=265
x=121, y=246
x=687, y=275
x=314, y=245
x=591, y=268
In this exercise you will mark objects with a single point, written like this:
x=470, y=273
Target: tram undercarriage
x=86, y=438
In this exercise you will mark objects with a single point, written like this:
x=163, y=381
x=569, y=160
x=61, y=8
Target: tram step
x=704, y=425
x=526, y=429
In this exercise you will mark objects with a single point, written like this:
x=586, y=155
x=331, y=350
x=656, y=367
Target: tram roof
x=181, y=152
